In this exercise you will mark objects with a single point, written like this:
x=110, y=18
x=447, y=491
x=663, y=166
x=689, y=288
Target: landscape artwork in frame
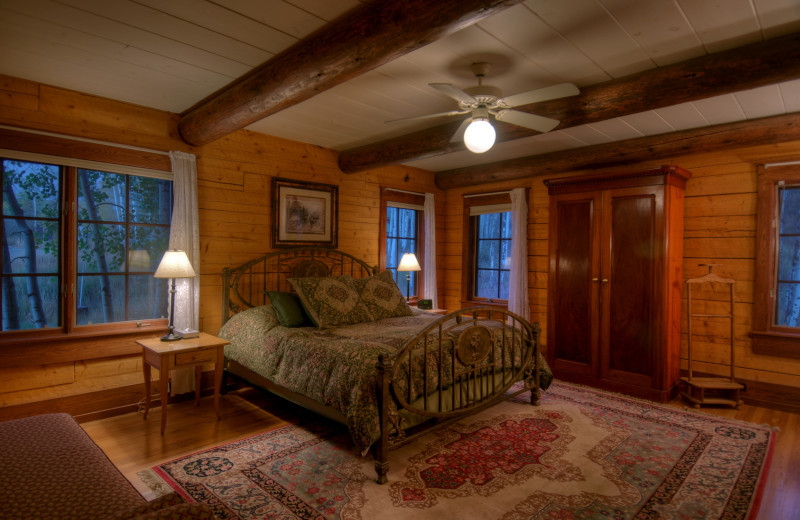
x=304, y=213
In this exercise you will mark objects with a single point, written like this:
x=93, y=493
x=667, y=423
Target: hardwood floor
x=134, y=443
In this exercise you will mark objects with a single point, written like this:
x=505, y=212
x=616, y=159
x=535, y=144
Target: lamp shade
x=479, y=135
x=409, y=263
x=174, y=264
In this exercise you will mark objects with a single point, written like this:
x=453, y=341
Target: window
x=493, y=245
x=80, y=246
x=488, y=248
x=401, y=232
x=776, y=315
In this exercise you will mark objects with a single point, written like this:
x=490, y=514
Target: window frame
x=389, y=195
x=469, y=258
x=76, y=154
x=769, y=338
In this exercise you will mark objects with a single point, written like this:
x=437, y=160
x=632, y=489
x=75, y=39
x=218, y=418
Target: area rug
x=581, y=454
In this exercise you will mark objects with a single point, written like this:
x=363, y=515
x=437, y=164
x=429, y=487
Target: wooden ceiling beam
x=768, y=130
x=756, y=65
x=361, y=40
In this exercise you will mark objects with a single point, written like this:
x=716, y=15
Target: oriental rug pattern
x=582, y=454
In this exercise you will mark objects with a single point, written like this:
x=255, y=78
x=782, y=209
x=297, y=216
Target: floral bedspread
x=335, y=367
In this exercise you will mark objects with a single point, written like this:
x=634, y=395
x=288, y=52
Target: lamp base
x=171, y=336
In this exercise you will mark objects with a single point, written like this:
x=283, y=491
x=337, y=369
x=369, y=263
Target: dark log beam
x=768, y=130
x=747, y=67
x=361, y=40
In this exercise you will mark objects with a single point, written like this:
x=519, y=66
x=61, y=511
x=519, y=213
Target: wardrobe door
x=573, y=316
x=632, y=267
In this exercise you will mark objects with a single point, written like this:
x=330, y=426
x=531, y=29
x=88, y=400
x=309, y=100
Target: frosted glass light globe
x=479, y=136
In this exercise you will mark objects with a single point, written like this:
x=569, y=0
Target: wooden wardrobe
x=615, y=280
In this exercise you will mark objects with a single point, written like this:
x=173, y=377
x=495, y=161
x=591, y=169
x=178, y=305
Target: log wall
x=720, y=227
x=234, y=177
x=234, y=192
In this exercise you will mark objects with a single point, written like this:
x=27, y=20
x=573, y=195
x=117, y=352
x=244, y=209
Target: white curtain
x=429, y=262
x=518, y=279
x=184, y=234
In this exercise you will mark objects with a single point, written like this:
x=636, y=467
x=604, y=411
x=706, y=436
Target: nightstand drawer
x=199, y=356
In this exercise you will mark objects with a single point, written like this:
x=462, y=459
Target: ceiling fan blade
x=540, y=94
x=532, y=121
x=459, y=135
x=454, y=92
x=429, y=116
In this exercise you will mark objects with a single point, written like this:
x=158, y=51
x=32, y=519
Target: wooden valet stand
x=710, y=390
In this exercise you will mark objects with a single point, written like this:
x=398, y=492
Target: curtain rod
x=404, y=191
x=487, y=194
x=789, y=163
x=84, y=139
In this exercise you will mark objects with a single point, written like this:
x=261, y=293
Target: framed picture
x=304, y=213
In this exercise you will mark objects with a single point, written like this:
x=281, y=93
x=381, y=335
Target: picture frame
x=304, y=213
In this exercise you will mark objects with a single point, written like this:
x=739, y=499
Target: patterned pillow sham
x=250, y=323
x=381, y=296
x=331, y=301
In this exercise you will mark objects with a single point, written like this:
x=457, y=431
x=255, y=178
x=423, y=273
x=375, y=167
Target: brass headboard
x=247, y=285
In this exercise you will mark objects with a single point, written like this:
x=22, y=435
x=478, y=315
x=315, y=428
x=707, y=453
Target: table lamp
x=174, y=264
x=408, y=263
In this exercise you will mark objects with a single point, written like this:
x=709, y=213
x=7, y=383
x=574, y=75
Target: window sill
x=776, y=344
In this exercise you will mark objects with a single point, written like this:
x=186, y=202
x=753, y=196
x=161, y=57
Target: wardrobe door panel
x=574, y=264
x=630, y=344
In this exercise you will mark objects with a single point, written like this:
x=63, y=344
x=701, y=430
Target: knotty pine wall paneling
x=719, y=227
x=104, y=375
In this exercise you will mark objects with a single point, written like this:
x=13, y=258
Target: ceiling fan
x=483, y=101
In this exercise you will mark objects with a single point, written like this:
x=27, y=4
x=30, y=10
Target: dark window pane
x=392, y=257
x=31, y=245
x=505, y=254
x=488, y=254
x=489, y=225
x=487, y=284
x=789, y=259
x=391, y=222
x=92, y=306
x=147, y=297
x=790, y=210
x=788, y=305
x=101, y=248
x=150, y=201
x=506, y=225
x=31, y=189
x=147, y=246
x=407, y=226
x=30, y=302
x=101, y=196
x=504, y=284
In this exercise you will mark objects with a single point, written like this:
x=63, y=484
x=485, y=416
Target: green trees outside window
x=96, y=236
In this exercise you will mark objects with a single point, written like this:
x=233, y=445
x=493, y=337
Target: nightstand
x=184, y=353
x=435, y=311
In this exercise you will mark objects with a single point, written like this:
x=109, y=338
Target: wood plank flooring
x=134, y=443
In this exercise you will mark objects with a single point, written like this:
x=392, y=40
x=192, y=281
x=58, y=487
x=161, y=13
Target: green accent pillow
x=381, y=296
x=331, y=301
x=288, y=309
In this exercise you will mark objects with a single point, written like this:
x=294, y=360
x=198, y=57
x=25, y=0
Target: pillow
x=330, y=301
x=381, y=296
x=288, y=309
x=250, y=322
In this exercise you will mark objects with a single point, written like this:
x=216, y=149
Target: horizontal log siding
x=234, y=183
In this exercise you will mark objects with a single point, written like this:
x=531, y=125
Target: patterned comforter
x=335, y=366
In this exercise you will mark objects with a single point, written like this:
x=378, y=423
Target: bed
x=332, y=334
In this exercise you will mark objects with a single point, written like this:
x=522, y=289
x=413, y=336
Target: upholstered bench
x=50, y=468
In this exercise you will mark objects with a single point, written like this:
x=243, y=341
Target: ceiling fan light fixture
x=480, y=135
